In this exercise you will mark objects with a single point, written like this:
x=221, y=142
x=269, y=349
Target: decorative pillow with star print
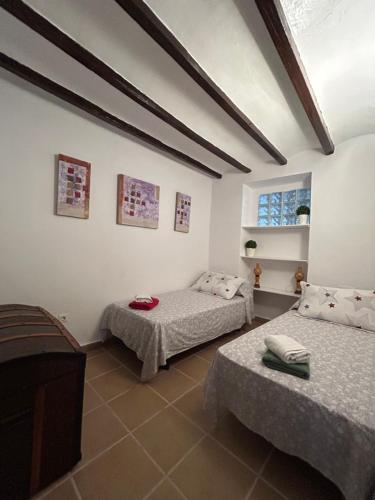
x=203, y=278
x=220, y=284
x=345, y=306
x=226, y=286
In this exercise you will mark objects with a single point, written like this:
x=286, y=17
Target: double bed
x=329, y=420
x=182, y=320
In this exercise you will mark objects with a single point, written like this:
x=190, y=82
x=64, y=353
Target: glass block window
x=279, y=209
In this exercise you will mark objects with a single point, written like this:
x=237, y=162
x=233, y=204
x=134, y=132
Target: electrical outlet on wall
x=63, y=317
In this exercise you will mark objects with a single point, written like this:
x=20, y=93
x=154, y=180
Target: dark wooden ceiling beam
x=92, y=109
x=52, y=33
x=277, y=26
x=146, y=18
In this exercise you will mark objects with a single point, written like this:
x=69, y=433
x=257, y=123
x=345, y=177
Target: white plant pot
x=250, y=252
x=303, y=219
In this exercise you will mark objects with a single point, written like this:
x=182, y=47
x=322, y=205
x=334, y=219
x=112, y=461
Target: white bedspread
x=182, y=320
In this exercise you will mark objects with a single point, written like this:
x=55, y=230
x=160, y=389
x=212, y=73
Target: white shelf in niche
x=271, y=228
x=282, y=259
x=276, y=291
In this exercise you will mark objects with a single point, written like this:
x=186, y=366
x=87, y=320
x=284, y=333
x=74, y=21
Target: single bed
x=329, y=420
x=183, y=319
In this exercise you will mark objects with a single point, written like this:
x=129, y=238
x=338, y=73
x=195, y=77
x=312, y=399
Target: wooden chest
x=41, y=396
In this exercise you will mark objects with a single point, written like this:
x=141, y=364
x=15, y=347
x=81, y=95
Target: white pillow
x=220, y=284
x=346, y=306
x=202, y=279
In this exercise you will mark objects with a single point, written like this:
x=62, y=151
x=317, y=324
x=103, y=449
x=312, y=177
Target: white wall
x=105, y=29
x=342, y=234
x=79, y=266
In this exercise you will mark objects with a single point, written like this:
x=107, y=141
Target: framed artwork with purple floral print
x=137, y=202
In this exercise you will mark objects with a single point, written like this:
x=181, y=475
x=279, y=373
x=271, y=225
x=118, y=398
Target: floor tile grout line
x=165, y=475
x=204, y=435
x=88, y=412
x=52, y=487
x=99, y=396
x=138, y=377
x=171, y=366
x=125, y=366
x=103, y=373
x=148, y=455
x=175, y=367
x=171, y=403
x=251, y=489
x=196, y=383
x=172, y=469
x=117, y=395
x=259, y=475
x=177, y=488
x=135, y=429
x=130, y=433
x=167, y=480
x=234, y=455
x=262, y=469
x=149, y=493
x=78, y=493
x=159, y=483
x=203, y=359
x=122, y=363
x=190, y=419
x=178, y=397
x=273, y=487
x=266, y=461
x=183, y=373
x=98, y=455
x=168, y=405
x=95, y=355
x=119, y=367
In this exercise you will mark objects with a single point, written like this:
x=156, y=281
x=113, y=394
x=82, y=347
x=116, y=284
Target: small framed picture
x=137, y=202
x=182, y=215
x=73, y=187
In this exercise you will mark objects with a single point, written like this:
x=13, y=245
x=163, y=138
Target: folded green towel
x=301, y=370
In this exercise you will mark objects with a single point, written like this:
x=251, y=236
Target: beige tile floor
x=153, y=441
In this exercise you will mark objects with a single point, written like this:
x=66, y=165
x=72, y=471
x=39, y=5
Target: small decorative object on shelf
x=299, y=277
x=250, y=247
x=257, y=272
x=303, y=213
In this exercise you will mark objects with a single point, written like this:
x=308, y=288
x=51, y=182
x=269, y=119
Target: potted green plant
x=303, y=213
x=250, y=247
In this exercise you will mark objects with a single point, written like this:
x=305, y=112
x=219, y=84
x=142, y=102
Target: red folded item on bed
x=146, y=306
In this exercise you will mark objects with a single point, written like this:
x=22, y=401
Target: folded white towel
x=287, y=349
x=144, y=298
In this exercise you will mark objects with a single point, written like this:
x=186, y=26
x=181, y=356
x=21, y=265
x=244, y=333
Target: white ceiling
x=336, y=40
x=229, y=40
